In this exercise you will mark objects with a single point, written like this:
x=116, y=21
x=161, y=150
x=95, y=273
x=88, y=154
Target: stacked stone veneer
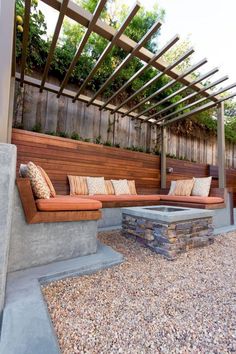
x=169, y=239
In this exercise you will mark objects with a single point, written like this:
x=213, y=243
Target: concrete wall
x=37, y=244
x=7, y=181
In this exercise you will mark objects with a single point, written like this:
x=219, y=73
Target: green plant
x=63, y=135
x=117, y=145
x=37, y=128
x=75, y=136
x=51, y=132
x=107, y=143
x=98, y=140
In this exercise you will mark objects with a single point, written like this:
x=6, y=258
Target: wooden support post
x=7, y=10
x=163, y=157
x=221, y=145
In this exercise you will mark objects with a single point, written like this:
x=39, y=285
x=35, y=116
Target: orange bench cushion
x=67, y=203
x=192, y=199
x=123, y=197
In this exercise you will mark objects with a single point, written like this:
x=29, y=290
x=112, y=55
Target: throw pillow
x=121, y=186
x=38, y=183
x=172, y=188
x=184, y=187
x=109, y=187
x=48, y=181
x=23, y=170
x=132, y=187
x=201, y=186
x=78, y=185
x=96, y=185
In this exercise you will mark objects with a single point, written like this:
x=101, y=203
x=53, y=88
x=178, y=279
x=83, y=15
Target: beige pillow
x=121, y=186
x=172, y=188
x=78, y=185
x=184, y=187
x=96, y=185
x=132, y=187
x=109, y=187
x=37, y=181
x=201, y=186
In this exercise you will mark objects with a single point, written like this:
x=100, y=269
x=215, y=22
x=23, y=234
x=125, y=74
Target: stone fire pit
x=168, y=230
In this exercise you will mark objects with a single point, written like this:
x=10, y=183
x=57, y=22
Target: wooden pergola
x=92, y=23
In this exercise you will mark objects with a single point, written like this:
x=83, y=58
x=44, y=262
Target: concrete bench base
x=38, y=244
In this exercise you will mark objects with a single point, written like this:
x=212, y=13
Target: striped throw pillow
x=78, y=185
x=132, y=187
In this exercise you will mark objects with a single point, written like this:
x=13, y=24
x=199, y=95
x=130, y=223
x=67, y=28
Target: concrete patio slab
x=26, y=326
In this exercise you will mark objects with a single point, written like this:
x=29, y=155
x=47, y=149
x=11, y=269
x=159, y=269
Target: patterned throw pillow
x=78, y=185
x=48, y=181
x=132, y=187
x=96, y=185
x=109, y=187
x=172, y=188
x=38, y=183
x=201, y=186
x=121, y=186
x=184, y=187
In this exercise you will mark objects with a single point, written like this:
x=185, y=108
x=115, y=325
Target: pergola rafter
x=229, y=87
x=108, y=49
x=169, y=84
x=134, y=50
x=192, y=95
x=167, y=46
x=140, y=44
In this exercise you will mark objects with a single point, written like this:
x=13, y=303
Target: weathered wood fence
x=34, y=110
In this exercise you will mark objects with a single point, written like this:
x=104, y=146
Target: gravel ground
x=149, y=304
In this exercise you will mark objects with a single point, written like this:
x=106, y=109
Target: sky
x=209, y=25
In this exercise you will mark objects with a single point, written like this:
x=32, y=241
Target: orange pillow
x=78, y=185
x=184, y=187
x=109, y=187
x=48, y=181
x=132, y=187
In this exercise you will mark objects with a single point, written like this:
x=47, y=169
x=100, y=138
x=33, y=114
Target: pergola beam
x=196, y=110
x=68, y=93
x=155, y=79
x=182, y=89
x=25, y=39
x=229, y=87
x=160, y=53
x=54, y=41
x=83, y=17
x=129, y=57
x=169, y=84
x=192, y=95
x=108, y=48
x=90, y=28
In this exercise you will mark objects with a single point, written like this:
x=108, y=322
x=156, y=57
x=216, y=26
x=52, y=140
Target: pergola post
x=221, y=145
x=7, y=15
x=163, y=156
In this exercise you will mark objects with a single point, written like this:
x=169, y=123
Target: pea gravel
x=149, y=304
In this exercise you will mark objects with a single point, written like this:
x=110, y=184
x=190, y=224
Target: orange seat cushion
x=123, y=197
x=192, y=199
x=67, y=203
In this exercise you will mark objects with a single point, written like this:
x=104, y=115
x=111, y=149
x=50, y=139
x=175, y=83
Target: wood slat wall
x=60, y=157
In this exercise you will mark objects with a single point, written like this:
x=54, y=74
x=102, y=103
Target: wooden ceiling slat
x=54, y=41
x=169, y=84
x=192, y=95
x=196, y=110
x=155, y=79
x=128, y=58
x=91, y=26
x=108, y=48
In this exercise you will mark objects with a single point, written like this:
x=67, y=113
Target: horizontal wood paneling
x=60, y=157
